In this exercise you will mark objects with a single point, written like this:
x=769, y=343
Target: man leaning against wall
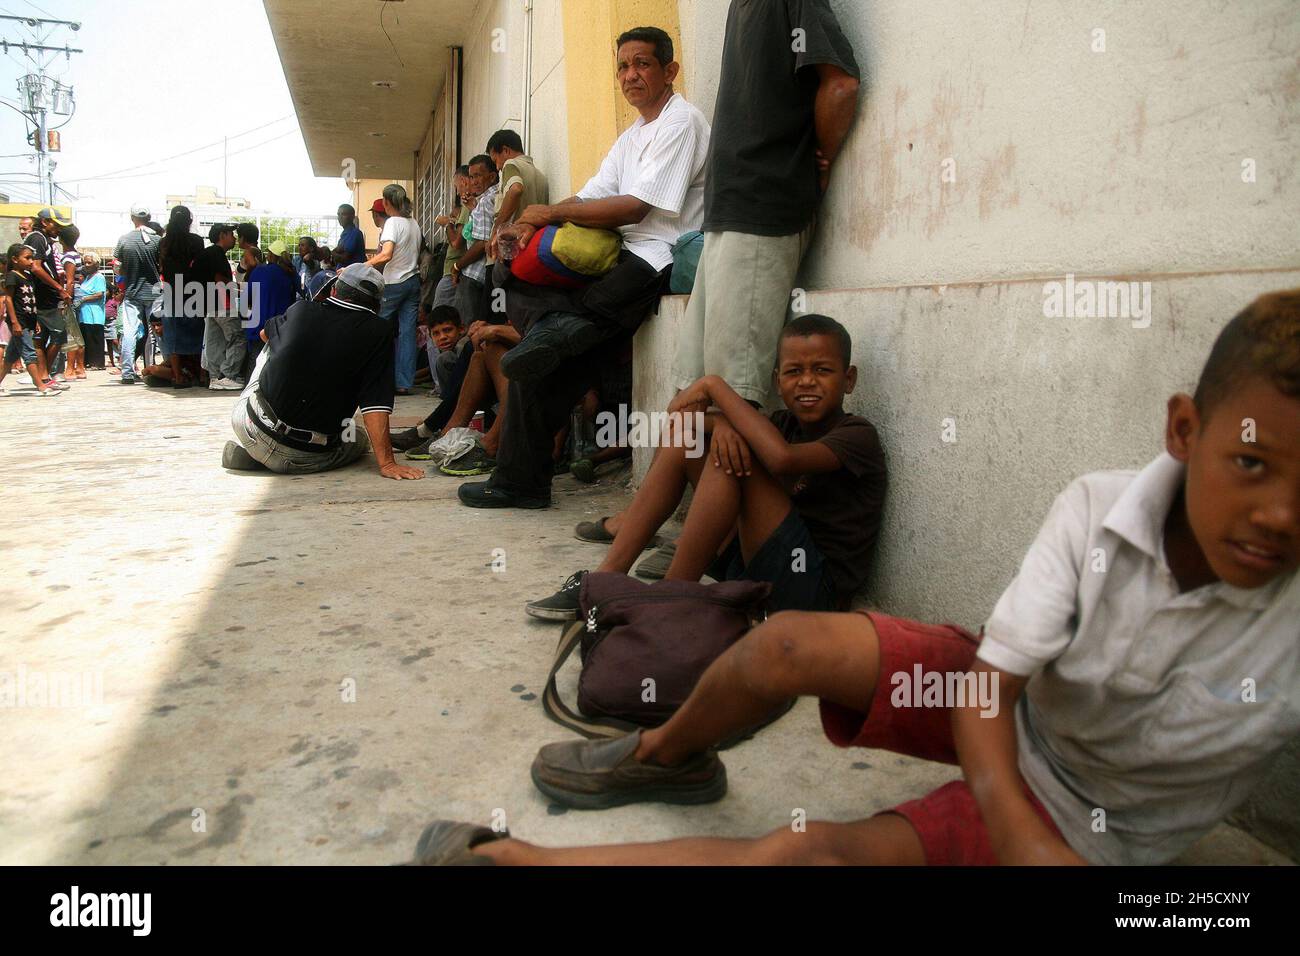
x=787, y=96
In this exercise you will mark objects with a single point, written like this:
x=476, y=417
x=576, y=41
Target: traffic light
x=52, y=141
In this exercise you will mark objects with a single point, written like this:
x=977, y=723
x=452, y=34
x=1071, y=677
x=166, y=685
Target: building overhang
x=334, y=54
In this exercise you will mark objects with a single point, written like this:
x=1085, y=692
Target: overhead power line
x=211, y=159
x=188, y=152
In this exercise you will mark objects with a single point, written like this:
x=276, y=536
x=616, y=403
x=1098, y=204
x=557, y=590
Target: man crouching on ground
x=324, y=362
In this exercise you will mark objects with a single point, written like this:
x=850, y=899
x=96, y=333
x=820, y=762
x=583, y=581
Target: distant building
x=209, y=208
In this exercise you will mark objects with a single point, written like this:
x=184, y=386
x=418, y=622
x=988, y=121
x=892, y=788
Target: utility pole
x=40, y=95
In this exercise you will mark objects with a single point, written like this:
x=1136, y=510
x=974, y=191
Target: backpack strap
x=559, y=711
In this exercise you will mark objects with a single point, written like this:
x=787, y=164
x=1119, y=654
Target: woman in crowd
x=90, y=311
x=182, y=334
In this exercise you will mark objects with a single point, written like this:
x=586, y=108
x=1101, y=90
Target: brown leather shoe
x=447, y=843
x=598, y=774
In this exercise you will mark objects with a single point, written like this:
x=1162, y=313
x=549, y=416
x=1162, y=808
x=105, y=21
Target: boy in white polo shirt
x=1145, y=663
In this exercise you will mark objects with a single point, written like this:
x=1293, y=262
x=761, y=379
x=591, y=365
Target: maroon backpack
x=644, y=647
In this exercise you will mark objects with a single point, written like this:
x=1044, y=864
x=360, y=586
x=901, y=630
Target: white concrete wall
x=1127, y=160
x=548, y=141
x=493, y=86
x=492, y=89
x=703, y=23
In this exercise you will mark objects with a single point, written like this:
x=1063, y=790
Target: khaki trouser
x=738, y=306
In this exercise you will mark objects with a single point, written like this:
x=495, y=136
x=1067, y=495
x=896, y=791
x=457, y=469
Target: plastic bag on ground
x=452, y=445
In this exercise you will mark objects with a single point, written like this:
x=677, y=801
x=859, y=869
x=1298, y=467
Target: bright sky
x=160, y=78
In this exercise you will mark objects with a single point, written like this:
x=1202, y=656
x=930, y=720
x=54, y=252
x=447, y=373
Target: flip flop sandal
x=447, y=843
x=595, y=533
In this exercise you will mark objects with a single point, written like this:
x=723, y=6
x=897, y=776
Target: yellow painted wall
x=364, y=193
x=597, y=112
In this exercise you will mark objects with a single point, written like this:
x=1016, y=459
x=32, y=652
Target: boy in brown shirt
x=794, y=499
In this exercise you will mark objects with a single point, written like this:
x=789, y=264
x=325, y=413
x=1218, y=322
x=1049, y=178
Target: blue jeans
x=402, y=301
x=132, y=314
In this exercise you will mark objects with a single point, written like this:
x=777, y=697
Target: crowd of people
x=1203, y=543
x=62, y=316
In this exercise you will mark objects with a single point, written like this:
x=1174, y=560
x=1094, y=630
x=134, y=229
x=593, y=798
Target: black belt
x=302, y=439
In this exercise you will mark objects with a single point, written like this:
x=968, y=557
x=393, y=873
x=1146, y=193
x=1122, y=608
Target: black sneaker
x=471, y=463
x=421, y=452
x=481, y=494
x=562, y=605
x=403, y=440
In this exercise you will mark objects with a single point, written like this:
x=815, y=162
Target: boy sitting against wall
x=794, y=500
x=1145, y=663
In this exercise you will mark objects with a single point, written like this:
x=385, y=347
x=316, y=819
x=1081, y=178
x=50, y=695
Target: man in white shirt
x=650, y=187
x=399, y=257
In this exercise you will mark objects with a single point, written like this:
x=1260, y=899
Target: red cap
x=378, y=206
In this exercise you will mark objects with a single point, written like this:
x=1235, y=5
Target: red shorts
x=948, y=821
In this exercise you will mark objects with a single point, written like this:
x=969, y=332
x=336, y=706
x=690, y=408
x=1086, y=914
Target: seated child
x=453, y=350
x=1144, y=667
x=794, y=500
x=476, y=359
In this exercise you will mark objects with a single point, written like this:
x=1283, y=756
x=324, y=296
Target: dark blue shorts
x=790, y=561
x=20, y=346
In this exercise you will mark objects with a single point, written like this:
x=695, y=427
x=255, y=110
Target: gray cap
x=365, y=279
x=140, y=211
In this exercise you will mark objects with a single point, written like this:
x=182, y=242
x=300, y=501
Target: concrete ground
x=222, y=616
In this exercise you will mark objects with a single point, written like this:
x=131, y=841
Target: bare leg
x=885, y=840
x=655, y=501
x=492, y=353
x=474, y=391
x=756, y=502
x=835, y=657
x=159, y=371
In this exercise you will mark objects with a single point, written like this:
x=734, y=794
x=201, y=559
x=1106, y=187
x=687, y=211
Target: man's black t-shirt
x=19, y=289
x=841, y=508
x=328, y=359
x=211, y=265
x=761, y=175
x=43, y=252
